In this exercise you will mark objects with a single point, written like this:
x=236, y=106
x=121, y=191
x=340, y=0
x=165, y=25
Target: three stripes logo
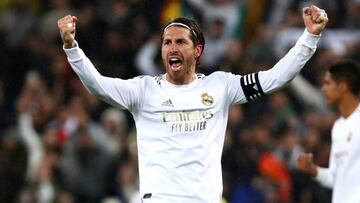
x=251, y=86
x=168, y=103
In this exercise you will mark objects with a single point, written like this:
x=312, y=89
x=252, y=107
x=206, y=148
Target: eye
x=181, y=41
x=166, y=42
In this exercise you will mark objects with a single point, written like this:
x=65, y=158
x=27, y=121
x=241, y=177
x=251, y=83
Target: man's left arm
x=291, y=64
x=255, y=85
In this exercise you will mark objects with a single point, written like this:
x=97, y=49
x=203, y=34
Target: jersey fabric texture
x=181, y=128
x=343, y=172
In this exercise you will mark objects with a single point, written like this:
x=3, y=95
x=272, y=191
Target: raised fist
x=315, y=19
x=67, y=28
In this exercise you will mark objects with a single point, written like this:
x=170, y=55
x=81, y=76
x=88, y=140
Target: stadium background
x=60, y=144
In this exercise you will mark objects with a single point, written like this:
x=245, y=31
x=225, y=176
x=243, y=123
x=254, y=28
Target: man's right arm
x=117, y=92
x=325, y=176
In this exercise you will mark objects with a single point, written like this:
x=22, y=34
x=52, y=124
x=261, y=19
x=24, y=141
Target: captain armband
x=251, y=86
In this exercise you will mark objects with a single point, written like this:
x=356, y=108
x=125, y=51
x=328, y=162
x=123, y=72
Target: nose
x=323, y=88
x=173, y=50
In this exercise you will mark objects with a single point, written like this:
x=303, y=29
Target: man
x=181, y=116
x=341, y=87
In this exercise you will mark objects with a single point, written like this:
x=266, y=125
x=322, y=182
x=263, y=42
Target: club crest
x=206, y=99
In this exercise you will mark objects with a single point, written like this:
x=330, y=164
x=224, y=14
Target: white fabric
x=33, y=144
x=181, y=128
x=343, y=172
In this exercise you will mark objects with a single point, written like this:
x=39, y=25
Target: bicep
x=245, y=88
x=120, y=93
x=115, y=91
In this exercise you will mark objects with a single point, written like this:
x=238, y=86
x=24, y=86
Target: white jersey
x=181, y=128
x=343, y=172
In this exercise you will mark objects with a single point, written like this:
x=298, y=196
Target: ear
x=198, y=50
x=343, y=86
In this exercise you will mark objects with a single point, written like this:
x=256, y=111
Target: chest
x=174, y=100
x=346, y=140
x=179, y=112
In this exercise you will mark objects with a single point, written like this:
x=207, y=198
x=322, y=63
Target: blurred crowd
x=60, y=144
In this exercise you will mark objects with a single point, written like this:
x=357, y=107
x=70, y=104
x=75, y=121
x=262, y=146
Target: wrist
x=313, y=171
x=312, y=32
x=69, y=45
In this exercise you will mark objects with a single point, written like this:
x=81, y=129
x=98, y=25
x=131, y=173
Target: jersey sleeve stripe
x=251, y=86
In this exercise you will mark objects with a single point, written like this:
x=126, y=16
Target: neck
x=348, y=105
x=182, y=78
x=180, y=81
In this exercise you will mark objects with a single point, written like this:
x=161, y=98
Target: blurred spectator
x=5, y=109
x=16, y=23
x=84, y=167
x=13, y=162
x=126, y=181
x=148, y=60
x=47, y=26
x=91, y=39
x=352, y=14
x=233, y=58
x=228, y=11
x=216, y=43
x=114, y=123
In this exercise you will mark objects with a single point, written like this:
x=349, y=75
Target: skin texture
x=177, y=43
x=315, y=19
x=332, y=90
x=67, y=32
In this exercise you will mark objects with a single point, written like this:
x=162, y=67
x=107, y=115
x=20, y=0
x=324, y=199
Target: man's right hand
x=306, y=164
x=67, y=28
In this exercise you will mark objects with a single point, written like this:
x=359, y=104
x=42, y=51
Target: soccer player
x=181, y=116
x=341, y=88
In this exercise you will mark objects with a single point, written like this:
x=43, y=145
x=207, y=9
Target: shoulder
x=356, y=117
x=150, y=81
x=221, y=75
x=143, y=81
x=357, y=110
x=146, y=78
x=338, y=126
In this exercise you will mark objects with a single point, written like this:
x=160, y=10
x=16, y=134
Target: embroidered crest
x=206, y=99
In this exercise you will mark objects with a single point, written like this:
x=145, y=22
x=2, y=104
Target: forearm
x=86, y=71
x=325, y=177
x=117, y=92
x=290, y=65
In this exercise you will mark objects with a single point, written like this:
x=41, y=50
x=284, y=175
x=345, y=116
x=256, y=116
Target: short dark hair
x=347, y=71
x=197, y=35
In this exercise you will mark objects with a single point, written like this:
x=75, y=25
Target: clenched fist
x=315, y=19
x=67, y=28
x=305, y=164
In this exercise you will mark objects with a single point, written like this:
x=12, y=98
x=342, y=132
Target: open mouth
x=175, y=63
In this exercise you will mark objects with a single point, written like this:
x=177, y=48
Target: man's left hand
x=315, y=19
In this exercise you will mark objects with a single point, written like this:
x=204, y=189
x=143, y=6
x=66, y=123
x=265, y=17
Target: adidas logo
x=168, y=103
x=255, y=87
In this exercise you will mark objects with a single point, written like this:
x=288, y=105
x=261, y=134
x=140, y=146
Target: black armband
x=251, y=86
